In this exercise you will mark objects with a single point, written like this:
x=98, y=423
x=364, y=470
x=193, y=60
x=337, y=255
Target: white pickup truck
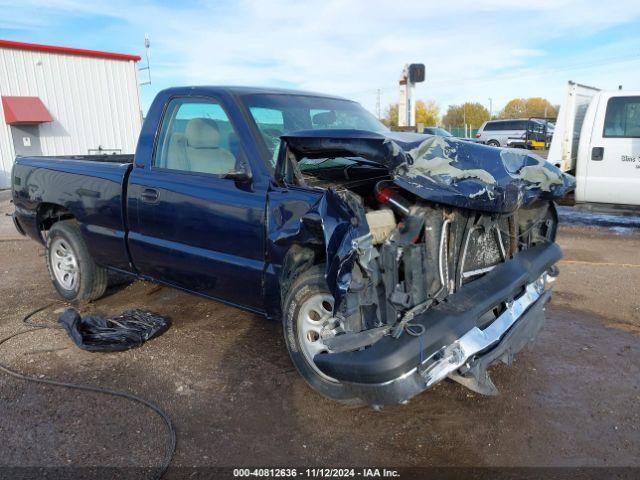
x=597, y=137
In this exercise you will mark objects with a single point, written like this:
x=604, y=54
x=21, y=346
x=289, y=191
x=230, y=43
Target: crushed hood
x=449, y=171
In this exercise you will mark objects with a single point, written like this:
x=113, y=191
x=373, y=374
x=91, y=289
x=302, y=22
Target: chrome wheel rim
x=315, y=323
x=64, y=264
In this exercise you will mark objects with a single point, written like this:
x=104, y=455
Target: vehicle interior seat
x=176, y=157
x=234, y=144
x=202, y=148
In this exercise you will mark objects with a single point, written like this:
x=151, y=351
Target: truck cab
x=608, y=166
x=597, y=137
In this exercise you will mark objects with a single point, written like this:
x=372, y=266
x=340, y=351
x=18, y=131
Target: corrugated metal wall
x=93, y=101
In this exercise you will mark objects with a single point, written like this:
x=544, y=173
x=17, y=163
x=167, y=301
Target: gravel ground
x=225, y=378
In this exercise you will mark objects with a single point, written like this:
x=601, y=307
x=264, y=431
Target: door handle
x=149, y=195
x=597, y=153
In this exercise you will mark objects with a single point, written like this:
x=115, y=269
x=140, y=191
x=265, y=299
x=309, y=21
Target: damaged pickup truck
x=394, y=260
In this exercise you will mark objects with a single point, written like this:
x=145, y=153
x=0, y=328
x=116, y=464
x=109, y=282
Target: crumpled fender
x=340, y=219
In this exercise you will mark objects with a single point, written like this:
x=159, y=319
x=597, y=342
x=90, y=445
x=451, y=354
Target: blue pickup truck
x=394, y=260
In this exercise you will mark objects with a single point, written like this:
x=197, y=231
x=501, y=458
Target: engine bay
x=417, y=252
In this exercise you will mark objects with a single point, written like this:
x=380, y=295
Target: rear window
x=622, y=119
x=507, y=125
x=493, y=126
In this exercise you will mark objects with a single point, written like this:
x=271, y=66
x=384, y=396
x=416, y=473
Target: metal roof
x=66, y=50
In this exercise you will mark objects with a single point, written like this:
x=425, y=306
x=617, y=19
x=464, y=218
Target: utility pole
x=464, y=118
x=411, y=74
x=378, y=92
x=490, y=108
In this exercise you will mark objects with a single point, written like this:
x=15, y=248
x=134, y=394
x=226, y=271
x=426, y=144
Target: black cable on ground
x=171, y=432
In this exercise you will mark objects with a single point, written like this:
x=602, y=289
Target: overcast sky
x=473, y=50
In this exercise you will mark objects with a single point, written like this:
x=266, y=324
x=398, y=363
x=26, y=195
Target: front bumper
x=16, y=223
x=461, y=336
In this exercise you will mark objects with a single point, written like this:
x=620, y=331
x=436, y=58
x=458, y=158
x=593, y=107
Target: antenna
x=147, y=67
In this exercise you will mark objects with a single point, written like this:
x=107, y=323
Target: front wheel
x=308, y=315
x=73, y=272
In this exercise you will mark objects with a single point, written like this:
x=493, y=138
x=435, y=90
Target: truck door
x=189, y=225
x=613, y=158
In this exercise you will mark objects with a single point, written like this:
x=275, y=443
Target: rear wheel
x=308, y=317
x=73, y=272
x=493, y=143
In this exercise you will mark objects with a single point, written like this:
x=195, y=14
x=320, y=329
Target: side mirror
x=240, y=175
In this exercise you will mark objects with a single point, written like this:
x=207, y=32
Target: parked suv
x=497, y=132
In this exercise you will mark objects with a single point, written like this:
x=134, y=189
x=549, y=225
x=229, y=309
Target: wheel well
x=50, y=213
x=297, y=260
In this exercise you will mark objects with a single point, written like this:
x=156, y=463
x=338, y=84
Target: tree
x=528, y=107
x=427, y=113
x=390, y=118
x=471, y=113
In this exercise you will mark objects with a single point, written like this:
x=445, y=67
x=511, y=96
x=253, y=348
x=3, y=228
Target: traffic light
x=416, y=73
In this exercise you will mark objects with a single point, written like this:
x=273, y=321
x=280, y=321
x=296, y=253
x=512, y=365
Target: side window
x=622, y=118
x=196, y=136
x=519, y=125
x=492, y=126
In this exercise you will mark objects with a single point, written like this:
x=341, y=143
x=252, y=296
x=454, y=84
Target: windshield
x=277, y=114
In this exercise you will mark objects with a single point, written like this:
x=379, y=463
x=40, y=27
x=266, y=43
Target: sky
x=473, y=50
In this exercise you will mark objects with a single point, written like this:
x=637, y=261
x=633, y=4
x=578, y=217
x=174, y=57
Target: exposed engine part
x=388, y=195
x=395, y=252
x=382, y=223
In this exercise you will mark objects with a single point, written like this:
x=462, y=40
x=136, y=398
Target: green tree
x=390, y=118
x=528, y=107
x=471, y=113
x=427, y=113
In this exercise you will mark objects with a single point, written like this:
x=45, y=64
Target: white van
x=607, y=160
x=497, y=133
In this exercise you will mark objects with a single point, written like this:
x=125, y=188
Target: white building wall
x=93, y=102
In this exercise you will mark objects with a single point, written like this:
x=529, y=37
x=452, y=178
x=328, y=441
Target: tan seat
x=176, y=158
x=202, y=148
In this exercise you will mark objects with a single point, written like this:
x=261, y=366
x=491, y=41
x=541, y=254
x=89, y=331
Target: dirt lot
x=225, y=378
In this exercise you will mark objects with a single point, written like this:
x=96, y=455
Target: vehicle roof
x=243, y=90
x=508, y=119
x=619, y=93
x=531, y=119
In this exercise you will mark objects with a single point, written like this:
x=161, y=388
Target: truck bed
x=89, y=187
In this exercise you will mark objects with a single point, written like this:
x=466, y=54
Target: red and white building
x=65, y=101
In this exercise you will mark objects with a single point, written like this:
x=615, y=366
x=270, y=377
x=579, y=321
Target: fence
x=463, y=132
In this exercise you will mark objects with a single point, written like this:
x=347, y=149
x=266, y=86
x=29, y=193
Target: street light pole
x=411, y=74
x=464, y=118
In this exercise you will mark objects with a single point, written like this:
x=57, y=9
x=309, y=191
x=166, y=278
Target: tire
x=73, y=272
x=307, y=287
x=493, y=143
